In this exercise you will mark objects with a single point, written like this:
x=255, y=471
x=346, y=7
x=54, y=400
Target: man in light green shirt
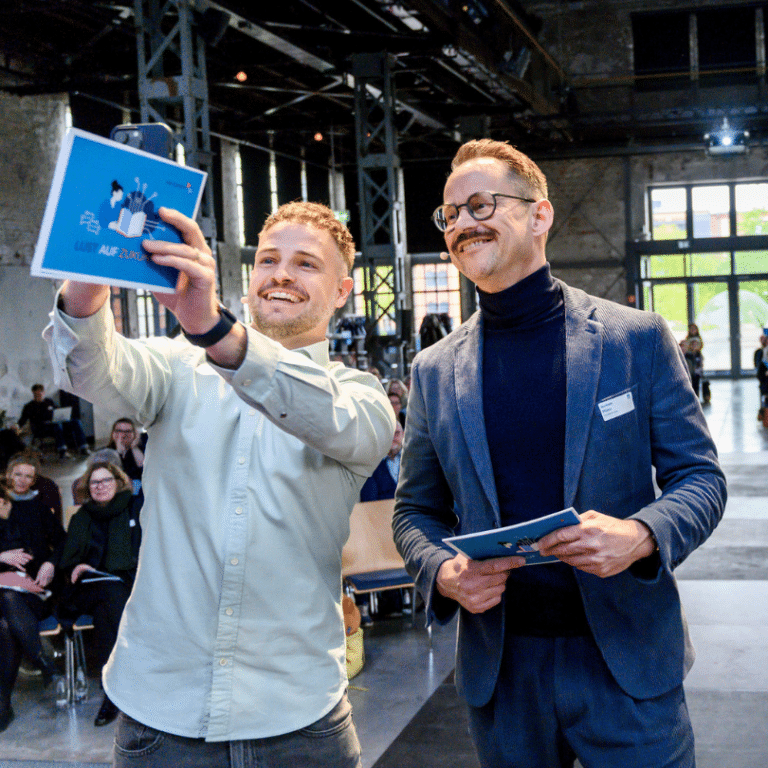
x=232, y=646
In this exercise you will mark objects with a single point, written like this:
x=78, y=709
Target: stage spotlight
x=726, y=140
x=241, y=77
x=318, y=136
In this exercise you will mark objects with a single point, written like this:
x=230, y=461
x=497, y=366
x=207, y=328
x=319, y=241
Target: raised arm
x=194, y=302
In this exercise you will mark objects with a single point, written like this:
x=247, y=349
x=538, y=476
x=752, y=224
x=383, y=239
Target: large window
x=707, y=263
x=436, y=292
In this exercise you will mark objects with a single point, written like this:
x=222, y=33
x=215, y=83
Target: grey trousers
x=331, y=742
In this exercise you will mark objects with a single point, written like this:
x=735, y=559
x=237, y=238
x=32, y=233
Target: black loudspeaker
x=406, y=325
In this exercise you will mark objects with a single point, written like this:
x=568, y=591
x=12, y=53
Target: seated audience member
x=79, y=491
x=47, y=489
x=126, y=440
x=381, y=485
x=31, y=538
x=10, y=445
x=39, y=413
x=398, y=397
x=99, y=559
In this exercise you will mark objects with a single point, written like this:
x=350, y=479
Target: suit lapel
x=468, y=366
x=583, y=349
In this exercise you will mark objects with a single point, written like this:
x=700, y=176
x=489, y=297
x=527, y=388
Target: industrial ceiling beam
x=249, y=28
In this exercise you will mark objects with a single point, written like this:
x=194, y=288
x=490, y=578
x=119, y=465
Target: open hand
x=16, y=558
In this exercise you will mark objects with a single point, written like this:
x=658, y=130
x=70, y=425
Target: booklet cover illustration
x=521, y=539
x=103, y=202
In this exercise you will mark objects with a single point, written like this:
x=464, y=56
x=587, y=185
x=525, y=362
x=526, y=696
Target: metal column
x=173, y=78
x=387, y=283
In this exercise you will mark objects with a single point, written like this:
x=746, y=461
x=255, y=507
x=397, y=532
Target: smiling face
x=506, y=248
x=102, y=485
x=123, y=433
x=298, y=282
x=21, y=478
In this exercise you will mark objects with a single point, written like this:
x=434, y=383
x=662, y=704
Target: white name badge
x=616, y=406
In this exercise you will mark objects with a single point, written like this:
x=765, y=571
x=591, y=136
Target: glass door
x=711, y=312
x=753, y=318
x=670, y=300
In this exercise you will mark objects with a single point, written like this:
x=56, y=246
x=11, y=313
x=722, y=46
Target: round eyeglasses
x=102, y=483
x=481, y=206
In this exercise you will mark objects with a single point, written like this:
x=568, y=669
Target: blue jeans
x=61, y=430
x=555, y=700
x=331, y=742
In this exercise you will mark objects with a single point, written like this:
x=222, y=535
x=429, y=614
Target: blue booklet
x=89, y=577
x=103, y=202
x=521, y=539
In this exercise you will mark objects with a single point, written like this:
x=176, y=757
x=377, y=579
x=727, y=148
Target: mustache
x=469, y=234
x=270, y=285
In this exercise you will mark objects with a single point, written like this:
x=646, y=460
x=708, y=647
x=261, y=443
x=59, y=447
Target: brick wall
x=31, y=130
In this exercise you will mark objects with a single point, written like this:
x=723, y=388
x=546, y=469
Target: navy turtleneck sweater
x=524, y=405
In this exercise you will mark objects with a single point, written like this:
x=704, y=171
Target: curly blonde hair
x=521, y=166
x=318, y=216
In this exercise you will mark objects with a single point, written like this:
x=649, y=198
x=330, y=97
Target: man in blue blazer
x=383, y=482
x=548, y=398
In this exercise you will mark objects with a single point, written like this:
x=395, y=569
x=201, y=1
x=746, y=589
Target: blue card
x=103, y=202
x=521, y=539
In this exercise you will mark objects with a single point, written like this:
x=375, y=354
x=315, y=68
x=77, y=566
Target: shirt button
x=241, y=460
x=234, y=561
x=223, y=662
x=229, y=611
x=247, y=383
x=239, y=511
x=252, y=412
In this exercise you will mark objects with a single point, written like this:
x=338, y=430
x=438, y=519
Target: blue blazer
x=446, y=485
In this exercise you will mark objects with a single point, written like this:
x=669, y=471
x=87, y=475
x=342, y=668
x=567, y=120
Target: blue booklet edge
x=38, y=267
x=484, y=545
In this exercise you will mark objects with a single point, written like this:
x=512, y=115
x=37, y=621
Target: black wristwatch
x=217, y=333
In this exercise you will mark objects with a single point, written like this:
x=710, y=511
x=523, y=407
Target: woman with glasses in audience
x=100, y=558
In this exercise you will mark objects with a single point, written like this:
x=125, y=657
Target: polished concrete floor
x=724, y=587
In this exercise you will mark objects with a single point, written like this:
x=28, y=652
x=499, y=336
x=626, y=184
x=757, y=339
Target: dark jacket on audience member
x=379, y=485
x=32, y=526
x=106, y=537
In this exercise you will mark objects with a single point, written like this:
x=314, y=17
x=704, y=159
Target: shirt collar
x=317, y=352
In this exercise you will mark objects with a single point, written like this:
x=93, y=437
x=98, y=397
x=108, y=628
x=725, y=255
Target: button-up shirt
x=234, y=628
